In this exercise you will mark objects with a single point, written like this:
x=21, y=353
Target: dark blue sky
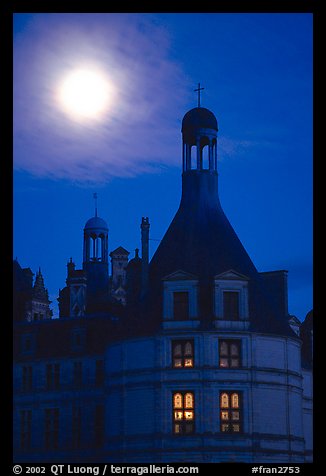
x=257, y=73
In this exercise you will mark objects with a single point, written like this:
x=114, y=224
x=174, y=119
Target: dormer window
x=180, y=296
x=231, y=306
x=181, y=305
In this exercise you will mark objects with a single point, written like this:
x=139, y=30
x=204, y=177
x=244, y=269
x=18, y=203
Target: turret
x=95, y=255
x=200, y=264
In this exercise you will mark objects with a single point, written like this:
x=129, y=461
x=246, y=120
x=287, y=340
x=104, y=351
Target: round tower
x=95, y=254
x=199, y=134
x=201, y=244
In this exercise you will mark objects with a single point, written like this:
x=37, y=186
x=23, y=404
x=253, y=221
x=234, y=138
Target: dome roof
x=96, y=223
x=199, y=118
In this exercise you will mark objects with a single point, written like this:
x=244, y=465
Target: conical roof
x=201, y=241
x=40, y=293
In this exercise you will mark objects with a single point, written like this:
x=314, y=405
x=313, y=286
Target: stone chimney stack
x=145, y=253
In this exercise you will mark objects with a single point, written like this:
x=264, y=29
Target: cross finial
x=198, y=90
x=95, y=198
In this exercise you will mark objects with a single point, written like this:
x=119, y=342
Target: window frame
x=76, y=427
x=25, y=429
x=183, y=357
x=52, y=375
x=228, y=356
x=99, y=425
x=27, y=378
x=27, y=344
x=181, y=309
x=77, y=373
x=227, y=306
x=186, y=425
x=51, y=428
x=180, y=281
x=231, y=281
x=229, y=412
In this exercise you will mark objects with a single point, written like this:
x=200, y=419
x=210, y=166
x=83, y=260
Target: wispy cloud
x=138, y=133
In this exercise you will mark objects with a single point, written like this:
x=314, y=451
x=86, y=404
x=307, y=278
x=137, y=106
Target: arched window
x=189, y=400
x=230, y=353
x=183, y=413
x=183, y=353
x=178, y=400
x=235, y=400
x=224, y=400
x=230, y=412
x=188, y=349
x=177, y=350
x=193, y=157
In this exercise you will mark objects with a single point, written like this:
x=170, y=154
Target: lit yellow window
x=224, y=415
x=224, y=400
x=235, y=400
x=183, y=413
x=178, y=400
x=189, y=400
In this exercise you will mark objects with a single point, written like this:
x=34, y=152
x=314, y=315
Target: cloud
x=138, y=133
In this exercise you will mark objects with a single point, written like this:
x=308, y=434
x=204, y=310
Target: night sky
x=257, y=73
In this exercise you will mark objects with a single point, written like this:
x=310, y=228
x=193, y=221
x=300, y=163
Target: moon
x=85, y=94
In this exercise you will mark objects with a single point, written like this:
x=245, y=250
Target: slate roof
x=201, y=241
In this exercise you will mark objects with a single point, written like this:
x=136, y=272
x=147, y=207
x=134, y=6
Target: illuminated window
x=230, y=412
x=183, y=413
x=231, y=305
x=183, y=353
x=51, y=428
x=181, y=305
x=25, y=429
x=229, y=353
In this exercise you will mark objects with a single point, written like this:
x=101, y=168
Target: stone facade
x=191, y=357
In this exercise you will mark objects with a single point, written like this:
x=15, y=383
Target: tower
x=199, y=134
x=39, y=304
x=119, y=262
x=201, y=246
x=95, y=255
x=77, y=285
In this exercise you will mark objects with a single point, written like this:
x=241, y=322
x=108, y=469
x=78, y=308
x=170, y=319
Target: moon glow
x=85, y=94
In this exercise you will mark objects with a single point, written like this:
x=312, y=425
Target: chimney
x=144, y=253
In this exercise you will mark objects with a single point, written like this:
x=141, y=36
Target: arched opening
x=93, y=248
x=193, y=157
x=205, y=157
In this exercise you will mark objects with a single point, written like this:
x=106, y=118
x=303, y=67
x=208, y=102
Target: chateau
x=191, y=356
